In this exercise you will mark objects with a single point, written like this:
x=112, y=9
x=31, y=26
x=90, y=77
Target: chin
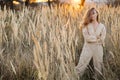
x=93, y=19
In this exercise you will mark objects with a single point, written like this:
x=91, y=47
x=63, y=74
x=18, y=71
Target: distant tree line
x=11, y=5
x=114, y=2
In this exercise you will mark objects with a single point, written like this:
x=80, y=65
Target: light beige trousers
x=90, y=51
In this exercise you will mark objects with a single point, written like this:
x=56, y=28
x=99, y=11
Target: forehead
x=93, y=11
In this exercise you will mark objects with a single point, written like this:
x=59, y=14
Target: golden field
x=44, y=44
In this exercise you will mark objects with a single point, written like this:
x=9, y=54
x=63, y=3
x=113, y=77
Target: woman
x=94, y=34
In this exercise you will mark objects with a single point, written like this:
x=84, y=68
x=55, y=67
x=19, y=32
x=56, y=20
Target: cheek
x=94, y=16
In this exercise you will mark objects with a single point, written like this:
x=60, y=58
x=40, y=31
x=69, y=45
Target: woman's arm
x=89, y=38
x=102, y=35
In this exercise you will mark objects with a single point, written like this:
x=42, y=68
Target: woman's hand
x=99, y=40
x=99, y=37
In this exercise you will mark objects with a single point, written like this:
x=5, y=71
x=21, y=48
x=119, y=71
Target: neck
x=94, y=22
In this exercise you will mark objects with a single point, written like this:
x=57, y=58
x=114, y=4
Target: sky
x=71, y=1
x=96, y=0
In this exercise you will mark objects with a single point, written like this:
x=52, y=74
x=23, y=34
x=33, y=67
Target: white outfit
x=93, y=41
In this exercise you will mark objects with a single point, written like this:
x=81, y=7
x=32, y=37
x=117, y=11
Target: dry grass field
x=44, y=44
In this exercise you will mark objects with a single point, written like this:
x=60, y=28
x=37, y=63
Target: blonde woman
x=94, y=34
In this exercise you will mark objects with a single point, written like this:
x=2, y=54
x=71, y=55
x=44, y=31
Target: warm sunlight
x=37, y=1
x=59, y=40
x=78, y=4
x=15, y=2
x=77, y=1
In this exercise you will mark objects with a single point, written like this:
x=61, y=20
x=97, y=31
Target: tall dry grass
x=44, y=44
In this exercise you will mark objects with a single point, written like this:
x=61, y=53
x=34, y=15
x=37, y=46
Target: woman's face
x=93, y=15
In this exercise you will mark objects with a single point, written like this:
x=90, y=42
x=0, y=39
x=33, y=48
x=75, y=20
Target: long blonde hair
x=87, y=19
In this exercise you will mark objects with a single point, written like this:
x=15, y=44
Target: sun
x=77, y=1
x=78, y=4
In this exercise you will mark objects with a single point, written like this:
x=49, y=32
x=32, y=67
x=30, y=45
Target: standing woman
x=94, y=34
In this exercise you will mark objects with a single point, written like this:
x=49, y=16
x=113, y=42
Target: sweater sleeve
x=89, y=38
x=103, y=35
